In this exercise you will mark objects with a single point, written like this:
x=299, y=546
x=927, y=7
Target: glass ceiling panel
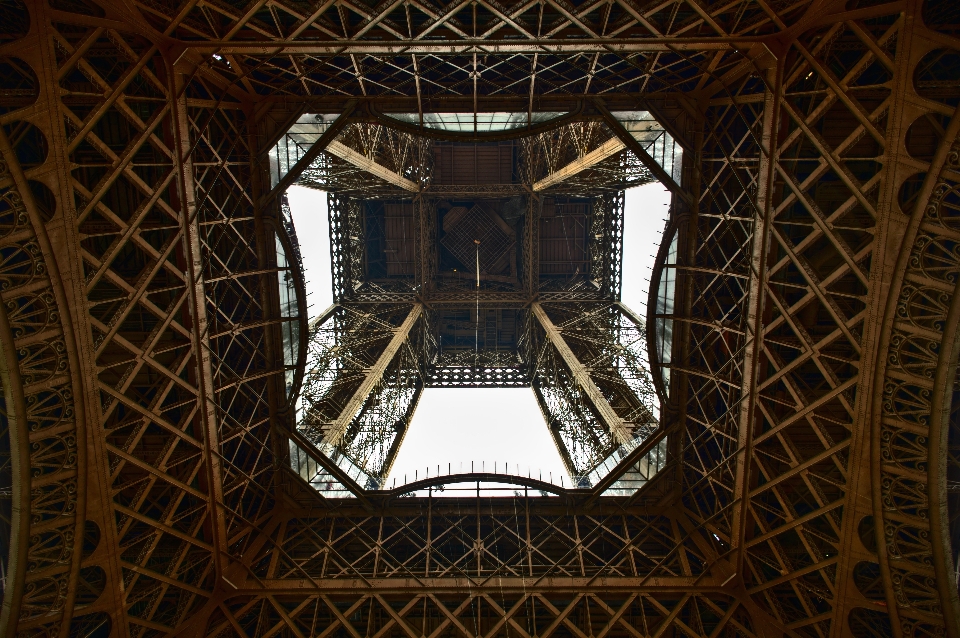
x=476, y=122
x=296, y=142
x=654, y=139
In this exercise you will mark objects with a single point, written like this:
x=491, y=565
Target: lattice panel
x=815, y=349
x=130, y=225
x=343, y=349
x=714, y=272
x=823, y=219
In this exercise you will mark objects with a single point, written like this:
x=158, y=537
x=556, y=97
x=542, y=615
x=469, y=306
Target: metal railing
x=499, y=479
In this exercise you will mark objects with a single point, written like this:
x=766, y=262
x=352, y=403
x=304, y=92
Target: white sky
x=454, y=426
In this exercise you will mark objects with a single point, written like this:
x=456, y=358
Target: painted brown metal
x=810, y=377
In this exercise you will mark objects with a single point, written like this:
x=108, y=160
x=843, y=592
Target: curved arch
x=890, y=390
x=20, y=473
x=656, y=366
x=937, y=466
x=39, y=346
x=478, y=477
x=296, y=267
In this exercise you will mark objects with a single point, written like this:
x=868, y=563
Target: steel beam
x=401, y=433
x=562, y=450
x=206, y=392
x=339, y=427
x=468, y=46
x=631, y=143
x=365, y=163
x=604, y=411
x=608, y=149
x=753, y=340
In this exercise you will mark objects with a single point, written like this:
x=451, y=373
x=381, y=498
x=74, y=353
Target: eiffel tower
x=772, y=449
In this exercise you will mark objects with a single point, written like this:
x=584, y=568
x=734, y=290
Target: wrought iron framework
x=810, y=412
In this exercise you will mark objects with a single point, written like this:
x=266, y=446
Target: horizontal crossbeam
x=470, y=46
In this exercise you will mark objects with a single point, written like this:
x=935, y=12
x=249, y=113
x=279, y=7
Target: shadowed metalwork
x=770, y=450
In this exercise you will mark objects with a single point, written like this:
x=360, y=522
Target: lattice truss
x=551, y=151
x=143, y=438
x=376, y=67
x=407, y=156
x=409, y=160
x=365, y=424
x=501, y=549
x=604, y=339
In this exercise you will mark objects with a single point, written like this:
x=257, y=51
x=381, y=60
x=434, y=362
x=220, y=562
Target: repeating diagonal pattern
x=149, y=324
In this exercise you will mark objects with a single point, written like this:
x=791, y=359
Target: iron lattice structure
x=810, y=394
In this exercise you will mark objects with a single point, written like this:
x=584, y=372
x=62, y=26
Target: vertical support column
x=339, y=427
x=424, y=267
x=686, y=222
x=531, y=245
x=198, y=311
x=753, y=342
x=601, y=406
x=264, y=209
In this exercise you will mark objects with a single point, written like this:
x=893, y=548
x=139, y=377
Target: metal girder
x=553, y=426
x=602, y=152
x=609, y=418
x=361, y=161
x=630, y=142
x=335, y=431
x=503, y=47
x=753, y=338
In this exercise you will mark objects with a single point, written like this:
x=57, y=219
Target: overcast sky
x=454, y=427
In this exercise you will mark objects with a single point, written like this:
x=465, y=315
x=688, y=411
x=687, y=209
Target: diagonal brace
x=610, y=147
x=631, y=143
x=365, y=163
x=339, y=427
x=603, y=408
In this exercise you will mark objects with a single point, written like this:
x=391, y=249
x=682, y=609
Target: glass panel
x=664, y=324
x=316, y=476
x=654, y=139
x=290, y=329
x=479, y=122
x=644, y=470
x=296, y=142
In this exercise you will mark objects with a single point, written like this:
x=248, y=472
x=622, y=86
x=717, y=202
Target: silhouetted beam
x=611, y=147
x=401, y=433
x=363, y=162
x=323, y=316
x=549, y=46
x=637, y=149
x=339, y=427
x=631, y=315
x=605, y=412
